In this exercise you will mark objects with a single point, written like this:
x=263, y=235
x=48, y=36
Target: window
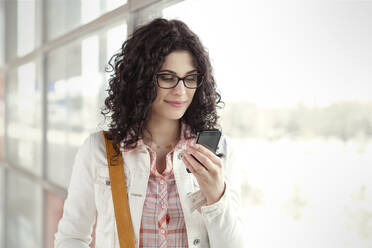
x=294, y=76
x=24, y=213
x=2, y=204
x=25, y=26
x=76, y=91
x=64, y=16
x=24, y=118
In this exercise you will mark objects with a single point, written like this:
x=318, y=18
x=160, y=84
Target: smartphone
x=209, y=139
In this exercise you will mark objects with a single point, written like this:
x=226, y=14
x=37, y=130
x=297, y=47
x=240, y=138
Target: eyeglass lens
x=170, y=80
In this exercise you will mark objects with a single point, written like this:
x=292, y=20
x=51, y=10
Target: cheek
x=160, y=95
x=191, y=95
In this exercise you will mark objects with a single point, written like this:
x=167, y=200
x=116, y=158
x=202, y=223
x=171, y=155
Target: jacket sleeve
x=223, y=219
x=79, y=212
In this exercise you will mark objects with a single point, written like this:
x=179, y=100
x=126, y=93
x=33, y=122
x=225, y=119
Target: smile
x=176, y=104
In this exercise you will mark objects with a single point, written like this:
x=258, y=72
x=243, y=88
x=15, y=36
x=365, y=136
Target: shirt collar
x=185, y=136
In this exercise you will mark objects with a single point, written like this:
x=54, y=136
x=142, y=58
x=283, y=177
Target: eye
x=191, y=78
x=167, y=77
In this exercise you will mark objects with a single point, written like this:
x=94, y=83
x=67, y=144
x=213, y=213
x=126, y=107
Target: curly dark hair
x=132, y=88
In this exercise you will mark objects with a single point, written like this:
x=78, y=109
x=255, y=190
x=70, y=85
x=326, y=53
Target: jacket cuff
x=215, y=209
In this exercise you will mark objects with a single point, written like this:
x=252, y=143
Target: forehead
x=180, y=62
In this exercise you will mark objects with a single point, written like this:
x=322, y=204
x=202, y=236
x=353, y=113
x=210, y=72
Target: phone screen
x=210, y=139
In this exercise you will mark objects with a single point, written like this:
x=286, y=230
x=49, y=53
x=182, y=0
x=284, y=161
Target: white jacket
x=89, y=199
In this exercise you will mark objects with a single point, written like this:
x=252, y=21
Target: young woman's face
x=173, y=103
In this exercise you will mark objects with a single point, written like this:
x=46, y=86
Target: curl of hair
x=132, y=87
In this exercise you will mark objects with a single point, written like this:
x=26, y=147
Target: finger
x=197, y=167
x=213, y=157
x=188, y=165
x=208, y=164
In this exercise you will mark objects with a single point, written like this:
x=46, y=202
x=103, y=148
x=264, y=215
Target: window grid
x=132, y=13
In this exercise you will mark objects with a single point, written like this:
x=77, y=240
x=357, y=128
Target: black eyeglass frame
x=179, y=79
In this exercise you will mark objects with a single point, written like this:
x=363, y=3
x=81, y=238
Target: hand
x=209, y=175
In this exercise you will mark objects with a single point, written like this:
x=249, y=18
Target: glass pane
x=2, y=34
x=2, y=202
x=2, y=116
x=24, y=123
x=272, y=46
x=24, y=213
x=20, y=27
x=11, y=29
x=54, y=211
x=296, y=81
x=25, y=26
x=113, y=4
x=64, y=16
x=115, y=38
x=75, y=84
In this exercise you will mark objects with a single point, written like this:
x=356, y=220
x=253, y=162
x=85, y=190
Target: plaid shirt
x=162, y=223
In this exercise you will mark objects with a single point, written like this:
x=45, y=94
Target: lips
x=176, y=103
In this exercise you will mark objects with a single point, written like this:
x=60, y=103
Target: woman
x=161, y=94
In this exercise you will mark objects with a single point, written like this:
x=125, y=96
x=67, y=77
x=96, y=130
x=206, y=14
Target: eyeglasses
x=169, y=81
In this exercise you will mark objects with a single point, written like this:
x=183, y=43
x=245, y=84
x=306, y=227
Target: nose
x=180, y=89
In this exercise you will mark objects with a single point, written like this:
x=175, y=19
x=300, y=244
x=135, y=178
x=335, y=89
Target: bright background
x=297, y=80
x=295, y=77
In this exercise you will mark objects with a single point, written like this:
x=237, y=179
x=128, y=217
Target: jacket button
x=196, y=241
x=180, y=155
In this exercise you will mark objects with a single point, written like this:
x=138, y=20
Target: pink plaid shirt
x=162, y=223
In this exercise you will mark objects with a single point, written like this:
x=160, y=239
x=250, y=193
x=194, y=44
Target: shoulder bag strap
x=119, y=196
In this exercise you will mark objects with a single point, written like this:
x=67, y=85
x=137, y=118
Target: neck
x=162, y=132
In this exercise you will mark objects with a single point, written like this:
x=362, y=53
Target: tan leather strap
x=119, y=196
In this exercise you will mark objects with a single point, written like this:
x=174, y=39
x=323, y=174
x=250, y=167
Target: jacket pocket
x=102, y=193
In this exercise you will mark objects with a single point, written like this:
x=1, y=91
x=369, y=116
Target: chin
x=173, y=116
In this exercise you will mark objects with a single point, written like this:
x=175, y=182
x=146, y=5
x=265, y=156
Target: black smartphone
x=208, y=138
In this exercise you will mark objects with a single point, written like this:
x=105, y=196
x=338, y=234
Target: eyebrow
x=195, y=70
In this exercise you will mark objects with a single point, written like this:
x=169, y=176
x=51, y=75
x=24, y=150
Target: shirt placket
x=161, y=201
x=162, y=211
